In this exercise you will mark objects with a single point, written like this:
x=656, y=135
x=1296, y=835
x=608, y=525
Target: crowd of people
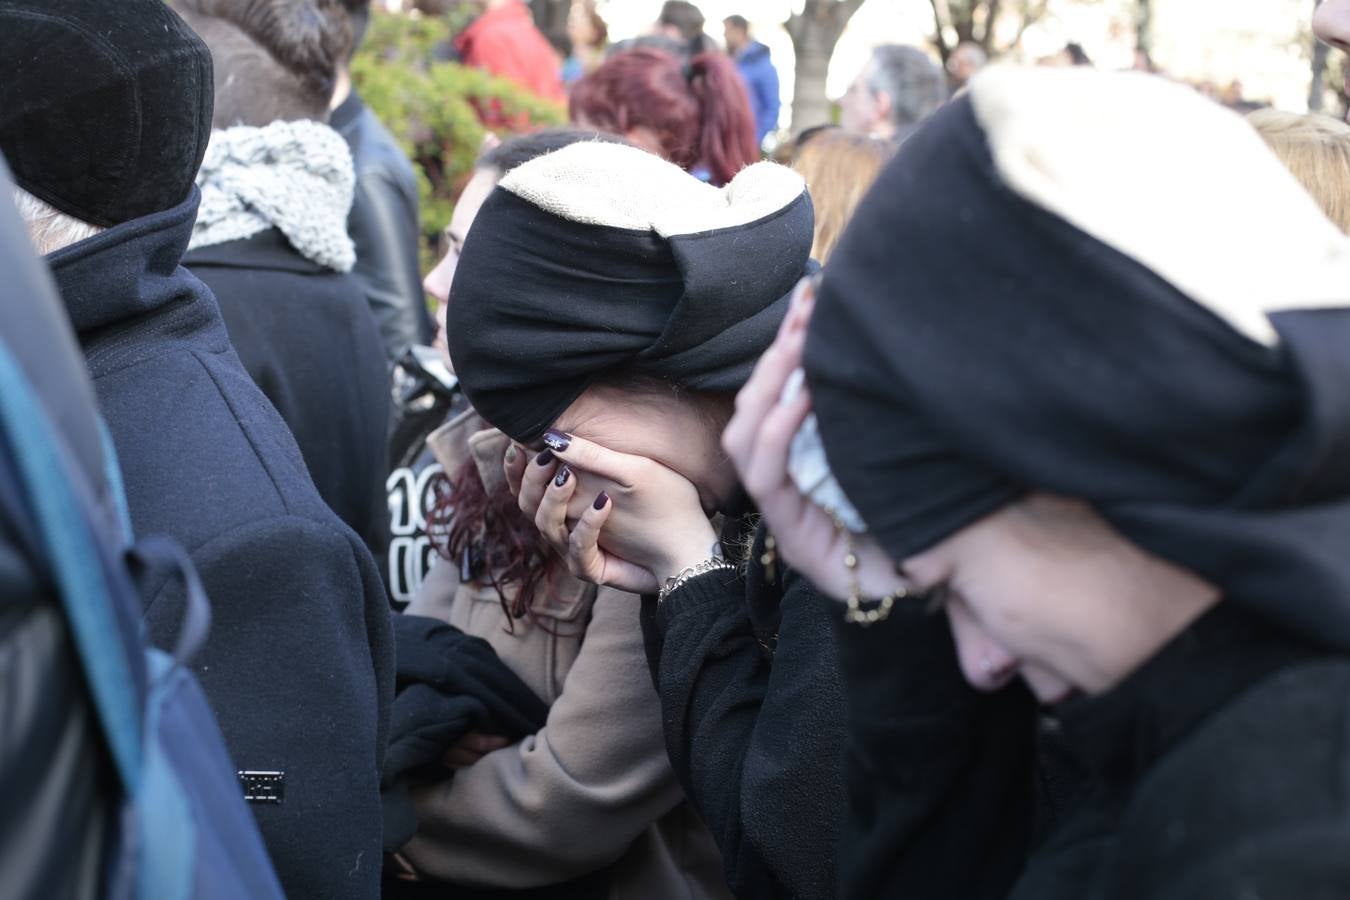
x=950, y=506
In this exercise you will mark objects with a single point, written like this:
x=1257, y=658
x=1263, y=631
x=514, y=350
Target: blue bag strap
x=160, y=553
x=112, y=474
x=65, y=535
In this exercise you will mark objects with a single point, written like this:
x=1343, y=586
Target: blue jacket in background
x=761, y=83
x=299, y=664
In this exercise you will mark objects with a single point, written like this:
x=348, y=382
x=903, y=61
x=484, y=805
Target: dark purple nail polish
x=601, y=500
x=545, y=457
x=561, y=478
x=557, y=440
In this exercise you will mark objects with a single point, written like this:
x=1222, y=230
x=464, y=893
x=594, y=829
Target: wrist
x=695, y=546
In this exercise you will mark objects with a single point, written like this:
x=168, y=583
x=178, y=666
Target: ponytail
x=727, y=133
x=698, y=111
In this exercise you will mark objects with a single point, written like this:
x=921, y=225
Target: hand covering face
x=601, y=259
x=1100, y=285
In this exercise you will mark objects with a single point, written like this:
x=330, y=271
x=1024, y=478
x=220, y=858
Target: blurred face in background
x=860, y=110
x=964, y=62
x=581, y=27
x=736, y=38
x=438, y=280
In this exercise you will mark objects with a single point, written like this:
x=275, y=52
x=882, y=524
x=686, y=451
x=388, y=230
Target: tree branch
x=992, y=11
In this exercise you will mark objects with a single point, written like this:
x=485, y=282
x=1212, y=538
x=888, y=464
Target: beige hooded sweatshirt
x=593, y=787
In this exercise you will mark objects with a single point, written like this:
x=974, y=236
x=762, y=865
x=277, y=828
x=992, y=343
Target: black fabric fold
x=447, y=684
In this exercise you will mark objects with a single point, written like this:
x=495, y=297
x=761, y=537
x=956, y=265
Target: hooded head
x=601, y=262
x=105, y=108
x=1040, y=295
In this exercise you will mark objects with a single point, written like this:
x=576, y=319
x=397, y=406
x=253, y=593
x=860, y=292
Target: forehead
x=471, y=199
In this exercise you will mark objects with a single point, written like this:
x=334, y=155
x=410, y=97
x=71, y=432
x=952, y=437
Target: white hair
x=49, y=229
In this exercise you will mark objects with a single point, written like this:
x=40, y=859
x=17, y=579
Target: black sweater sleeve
x=940, y=778
x=755, y=733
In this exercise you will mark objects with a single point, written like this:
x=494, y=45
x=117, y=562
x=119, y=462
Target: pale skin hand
x=650, y=527
x=471, y=748
x=758, y=440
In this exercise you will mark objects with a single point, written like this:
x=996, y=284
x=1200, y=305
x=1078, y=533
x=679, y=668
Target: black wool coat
x=1218, y=769
x=307, y=337
x=752, y=706
x=299, y=662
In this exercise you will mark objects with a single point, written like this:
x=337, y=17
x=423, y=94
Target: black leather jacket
x=384, y=226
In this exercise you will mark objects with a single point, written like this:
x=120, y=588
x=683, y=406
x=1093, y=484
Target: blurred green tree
x=434, y=108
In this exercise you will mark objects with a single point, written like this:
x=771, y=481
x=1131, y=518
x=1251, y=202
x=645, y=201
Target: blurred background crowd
x=800, y=59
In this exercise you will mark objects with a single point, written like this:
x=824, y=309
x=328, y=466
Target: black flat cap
x=105, y=108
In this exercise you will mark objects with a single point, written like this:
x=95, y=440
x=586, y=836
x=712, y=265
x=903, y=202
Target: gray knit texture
x=296, y=177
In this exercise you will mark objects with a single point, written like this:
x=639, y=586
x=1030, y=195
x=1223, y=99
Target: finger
x=759, y=394
x=458, y=757
x=482, y=744
x=588, y=562
x=551, y=516
x=583, y=545
x=538, y=475
x=513, y=464
x=588, y=456
x=801, y=305
x=767, y=462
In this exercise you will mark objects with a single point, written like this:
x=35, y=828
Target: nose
x=1331, y=23
x=437, y=282
x=986, y=665
x=989, y=667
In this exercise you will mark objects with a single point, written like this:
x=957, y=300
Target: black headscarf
x=602, y=260
x=105, y=107
x=970, y=344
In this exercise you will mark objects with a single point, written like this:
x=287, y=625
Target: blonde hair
x=49, y=229
x=838, y=167
x=1316, y=149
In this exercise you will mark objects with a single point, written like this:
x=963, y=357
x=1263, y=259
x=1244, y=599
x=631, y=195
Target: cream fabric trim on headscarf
x=1199, y=199
x=618, y=186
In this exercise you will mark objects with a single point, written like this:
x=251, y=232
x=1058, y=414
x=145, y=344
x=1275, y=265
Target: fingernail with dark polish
x=561, y=478
x=557, y=440
x=545, y=457
x=601, y=500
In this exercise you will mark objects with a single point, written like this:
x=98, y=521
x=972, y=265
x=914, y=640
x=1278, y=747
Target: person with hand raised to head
x=586, y=805
x=605, y=308
x=1079, y=463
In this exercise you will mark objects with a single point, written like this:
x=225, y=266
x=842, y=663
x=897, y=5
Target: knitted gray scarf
x=296, y=177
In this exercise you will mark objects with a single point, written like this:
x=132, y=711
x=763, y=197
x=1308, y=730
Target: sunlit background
x=1265, y=45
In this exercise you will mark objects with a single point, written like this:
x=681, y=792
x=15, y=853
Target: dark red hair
x=699, y=113
x=486, y=533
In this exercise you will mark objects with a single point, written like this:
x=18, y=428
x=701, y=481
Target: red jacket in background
x=505, y=42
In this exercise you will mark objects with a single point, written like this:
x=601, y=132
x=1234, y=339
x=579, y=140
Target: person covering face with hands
x=1101, y=452
x=638, y=300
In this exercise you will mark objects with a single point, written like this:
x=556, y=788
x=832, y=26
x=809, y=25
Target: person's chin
x=1062, y=695
x=1049, y=689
